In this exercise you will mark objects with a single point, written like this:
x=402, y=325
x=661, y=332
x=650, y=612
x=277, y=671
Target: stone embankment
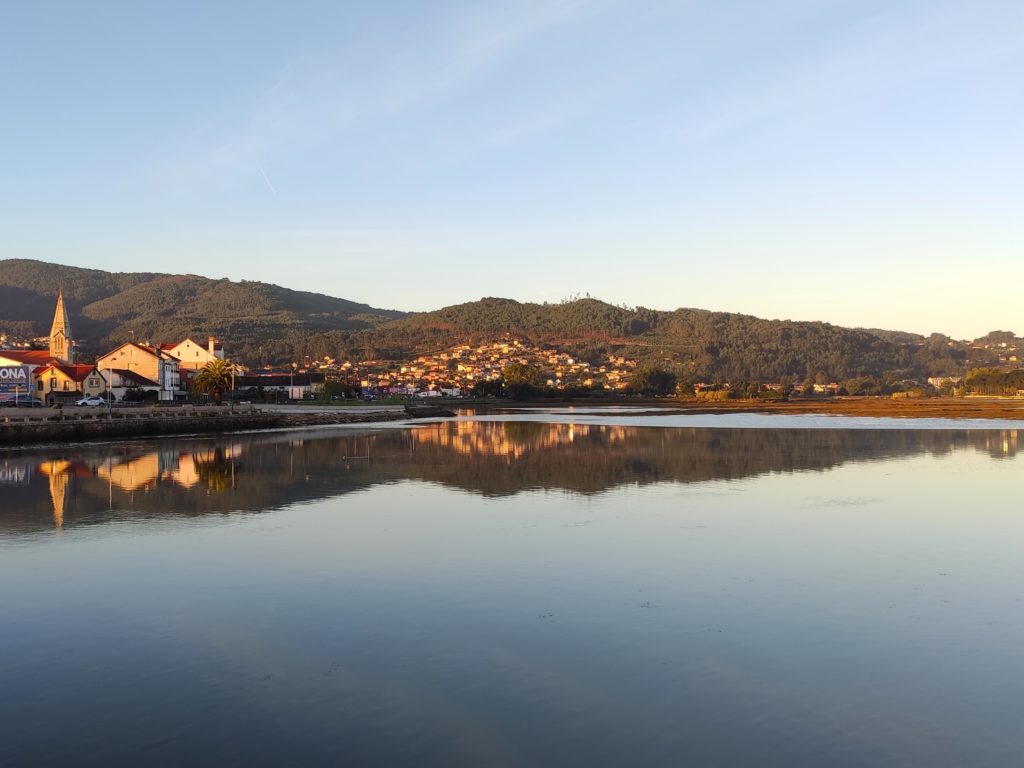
x=19, y=427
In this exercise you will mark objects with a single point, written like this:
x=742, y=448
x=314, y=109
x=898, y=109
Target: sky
x=857, y=162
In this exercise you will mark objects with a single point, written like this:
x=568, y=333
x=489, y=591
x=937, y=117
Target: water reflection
x=258, y=472
x=802, y=615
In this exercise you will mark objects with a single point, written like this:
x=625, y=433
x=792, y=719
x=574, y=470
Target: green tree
x=214, y=378
x=520, y=373
x=651, y=380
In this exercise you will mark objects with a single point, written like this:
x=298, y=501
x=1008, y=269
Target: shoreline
x=46, y=426
x=19, y=430
x=931, y=408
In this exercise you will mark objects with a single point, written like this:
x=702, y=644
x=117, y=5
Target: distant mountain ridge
x=108, y=308
x=265, y=323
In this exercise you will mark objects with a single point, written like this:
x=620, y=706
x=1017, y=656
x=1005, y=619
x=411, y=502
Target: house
x=142, y=368
x=125, y=384
x=61, y=382
x=297, y=386
x=192, y=356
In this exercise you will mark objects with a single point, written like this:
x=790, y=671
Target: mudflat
x=925, y=408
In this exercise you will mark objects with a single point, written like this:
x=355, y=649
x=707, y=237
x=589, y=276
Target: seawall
x=48, y=427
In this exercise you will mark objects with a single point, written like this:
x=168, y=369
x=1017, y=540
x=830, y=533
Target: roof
x=76, y=373
x=60, y=318
x=27, y=356
x=133, y=377
x=147, y=348
x=275, y=380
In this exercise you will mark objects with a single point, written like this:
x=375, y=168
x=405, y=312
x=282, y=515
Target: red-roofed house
x=60, y=381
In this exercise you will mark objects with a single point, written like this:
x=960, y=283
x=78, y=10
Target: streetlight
x=291, y=386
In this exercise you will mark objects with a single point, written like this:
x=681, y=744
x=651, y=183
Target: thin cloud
x=318, y=98
x=266, y=178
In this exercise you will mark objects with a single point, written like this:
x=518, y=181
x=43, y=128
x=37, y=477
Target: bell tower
x=61, y=346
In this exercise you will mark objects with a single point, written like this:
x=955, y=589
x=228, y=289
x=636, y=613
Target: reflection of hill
x=258, y=472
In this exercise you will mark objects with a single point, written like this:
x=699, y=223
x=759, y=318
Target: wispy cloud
x=318, y=98
x=266, y=178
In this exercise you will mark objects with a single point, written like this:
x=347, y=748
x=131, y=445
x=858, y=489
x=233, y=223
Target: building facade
x=59, y=382
x=143, y=367
x=193, y=356
x=62, y=345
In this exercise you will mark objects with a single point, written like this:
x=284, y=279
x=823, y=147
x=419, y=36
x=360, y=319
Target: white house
x=141, y=367
x=192, y=356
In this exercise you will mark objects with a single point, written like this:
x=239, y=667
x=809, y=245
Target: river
x=560, y=588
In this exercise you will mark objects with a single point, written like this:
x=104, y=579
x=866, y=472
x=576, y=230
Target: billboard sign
x=13, y=474
x=15, y=378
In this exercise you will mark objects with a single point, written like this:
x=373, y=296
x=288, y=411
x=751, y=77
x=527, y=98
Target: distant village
x=164, y=372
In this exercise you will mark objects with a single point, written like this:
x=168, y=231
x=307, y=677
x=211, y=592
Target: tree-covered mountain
x=696, y=344
x=263, y=323
x=109, y=308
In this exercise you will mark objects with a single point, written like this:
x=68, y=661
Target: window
x=39, y=385
x=66, y=385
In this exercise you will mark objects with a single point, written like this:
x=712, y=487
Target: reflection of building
x=144, y=473
x=59, y=496
x=134, y=475
x=58, y=475
x=512, y=440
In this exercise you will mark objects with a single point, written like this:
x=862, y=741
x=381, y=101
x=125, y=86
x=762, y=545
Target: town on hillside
x=46, y=371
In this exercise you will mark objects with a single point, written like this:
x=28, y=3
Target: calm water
x=585, y=591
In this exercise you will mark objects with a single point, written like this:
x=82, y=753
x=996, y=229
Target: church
x=52, y=374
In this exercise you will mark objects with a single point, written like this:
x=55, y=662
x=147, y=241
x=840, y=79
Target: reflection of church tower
x=61, y=347
x=59, y=495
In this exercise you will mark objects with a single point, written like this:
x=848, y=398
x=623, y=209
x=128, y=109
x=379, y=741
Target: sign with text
x=13, y=475
x=15, y=378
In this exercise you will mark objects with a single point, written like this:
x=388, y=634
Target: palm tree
x=214, y=378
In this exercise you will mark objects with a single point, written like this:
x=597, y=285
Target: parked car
x=92, y=400
x=23, y=402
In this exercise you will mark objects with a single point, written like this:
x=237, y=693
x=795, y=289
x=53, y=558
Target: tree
x=522, y=382
x=685, y=389
x=651, y=380
x=519, y=373
x=214, y=378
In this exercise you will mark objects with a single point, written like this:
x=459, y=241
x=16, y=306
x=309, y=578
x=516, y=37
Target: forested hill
x=109, y=308
x=696, y=343
x=263, y=323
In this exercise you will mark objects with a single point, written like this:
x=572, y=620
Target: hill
x=697, y=344
x=109, y=308
x=264, y=323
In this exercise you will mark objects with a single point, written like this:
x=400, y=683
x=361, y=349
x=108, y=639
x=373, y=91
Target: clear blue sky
x=858, y=162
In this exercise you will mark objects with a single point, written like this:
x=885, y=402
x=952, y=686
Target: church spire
x=60, y=333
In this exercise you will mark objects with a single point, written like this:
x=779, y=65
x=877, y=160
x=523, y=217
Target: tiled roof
x=134, y=377
x=76, y=373
x=27, y=356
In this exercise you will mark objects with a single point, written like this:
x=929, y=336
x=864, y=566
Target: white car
x=92, y=400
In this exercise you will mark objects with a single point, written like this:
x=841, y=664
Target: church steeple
x=61, y=347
